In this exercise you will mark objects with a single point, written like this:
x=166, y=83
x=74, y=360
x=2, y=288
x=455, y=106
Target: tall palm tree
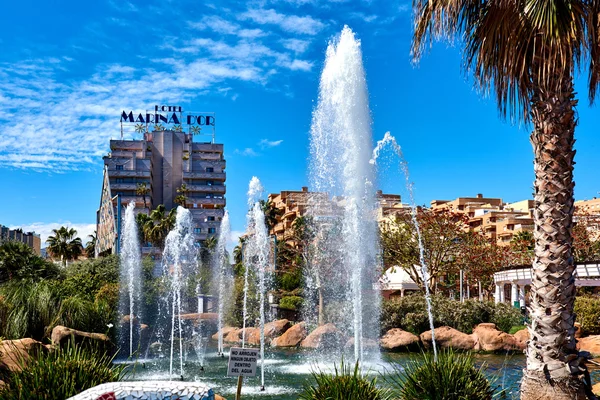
x=64, y=244
x=90, y=248
x=272, y=213
x=159, y=224
x=181, y=198
x=527, y=51
x=142, y=190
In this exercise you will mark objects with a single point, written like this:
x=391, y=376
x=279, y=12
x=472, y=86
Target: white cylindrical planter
x=514, y=294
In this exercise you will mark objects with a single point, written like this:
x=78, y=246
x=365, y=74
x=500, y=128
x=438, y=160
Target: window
x=210, y=218
x=210, y=183
x=119, y=167
x=197, y=230
x=210, y=169
x=212, y=230
x=119, y=180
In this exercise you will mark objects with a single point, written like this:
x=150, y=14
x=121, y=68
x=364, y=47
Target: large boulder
x=16, y=353
x=251, y=336
x=277, y=328
x=398, y=340
x=234, y=336
x=226, y=330
x=449, y=338
x=591, y=344
x=61, y=336
x=522, y=335
x=324, y=336
x=488, y=338
x=292, y=337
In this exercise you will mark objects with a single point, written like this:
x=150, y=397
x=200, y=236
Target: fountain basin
x=148, y=390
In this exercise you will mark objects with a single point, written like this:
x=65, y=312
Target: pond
x=287, y=371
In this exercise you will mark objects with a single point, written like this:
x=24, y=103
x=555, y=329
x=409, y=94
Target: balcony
x=204, y=175
x=206, y=188
x=128, y=173
x=123, y=186
x=207, y=147
x=203, y=200
x=207, y=156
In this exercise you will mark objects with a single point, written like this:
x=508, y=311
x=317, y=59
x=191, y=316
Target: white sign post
x=242, y=362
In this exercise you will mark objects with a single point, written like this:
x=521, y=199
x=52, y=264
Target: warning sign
x=242, y=362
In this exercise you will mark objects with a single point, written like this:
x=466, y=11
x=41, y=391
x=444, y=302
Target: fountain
x=389, y=140
x=340, y=143
x=221, y=276
x=180, y=260
x=131, y=265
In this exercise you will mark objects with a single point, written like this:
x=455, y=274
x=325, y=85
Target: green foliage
x=60, y=374
x=86, y=278
x=234, y=315
x=410, y=314
x=291, y=302
x=516, y=329
x=587, y=313
x=64, y=244
x=19, y=261
x=345, y=383
x=451, y=377
x=291, y=280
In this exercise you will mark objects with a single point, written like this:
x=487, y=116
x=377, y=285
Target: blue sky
x=68, y=69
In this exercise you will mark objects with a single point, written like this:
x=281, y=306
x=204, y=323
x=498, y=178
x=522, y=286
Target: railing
x=128, y=172
x=204, y=175
x=206, y=188
x=584, y=273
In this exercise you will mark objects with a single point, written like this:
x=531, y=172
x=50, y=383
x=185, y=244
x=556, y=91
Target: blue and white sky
x=68, y=68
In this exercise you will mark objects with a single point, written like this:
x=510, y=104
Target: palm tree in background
x=142, y=190
x=527, y=52
x=64, y=244
x=272, y=213
x=158, y=224
x=181, y=198
x=90, y=248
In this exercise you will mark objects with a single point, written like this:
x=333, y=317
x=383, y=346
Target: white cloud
x=248, y=151
x=233, y=240
x=296, y=45
x=264, y=143
x=45, y=229
x=289, y=23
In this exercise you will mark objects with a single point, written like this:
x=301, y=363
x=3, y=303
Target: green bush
x=516, y=329
x=452, y=377
x=587, y=313
x=60, y=374
x=410, y=314
x=291, y=302
x=291, y=280
x=345, y=383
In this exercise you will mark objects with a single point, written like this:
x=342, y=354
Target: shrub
x=345, y=383
x=516, y=329
x=587, y=313
x=291, y=280
x=410, y=313
x=60, y=374
x=452, y=377
x=291, y=302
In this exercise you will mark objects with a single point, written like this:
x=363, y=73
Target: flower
x=110, y=326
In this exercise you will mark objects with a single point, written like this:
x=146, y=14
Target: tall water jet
x=340, y=144
x=180, y=260
x=222, y=275
x=389, y=140
x=131, y=266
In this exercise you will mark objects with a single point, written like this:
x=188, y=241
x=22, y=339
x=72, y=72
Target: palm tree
x=272, y=213
x=157, y=226
x=527, y=51
x=142, y=190
x=64, y=244
x=90, y=248
x=181, y=198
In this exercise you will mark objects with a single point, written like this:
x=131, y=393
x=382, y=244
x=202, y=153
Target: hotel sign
x=165, y=117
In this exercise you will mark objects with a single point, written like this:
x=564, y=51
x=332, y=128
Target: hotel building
x=31, y=239
x=163, y=161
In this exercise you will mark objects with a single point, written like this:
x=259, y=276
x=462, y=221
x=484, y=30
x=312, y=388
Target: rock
x=292, y=337
x=61, y=335
x=591, y=344
x=448, y=337
x=226, y=330
x=15, y=353
x=398, y=340
x=324, y=336
x=488, y=338
x=277, y=328
x=522, y=335
x=595, y=389
x=233, y=336
x=578, y=333
x=217, y=397
x=251, y=336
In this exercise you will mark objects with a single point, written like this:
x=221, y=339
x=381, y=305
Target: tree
x=90, y=248
x=65, y=244
x=272, y=214
x=158, y=225
x=142, y=190
x=527, y=51
x=181, y=198
x=586, y=242
x=18, y=261
x=441, y=233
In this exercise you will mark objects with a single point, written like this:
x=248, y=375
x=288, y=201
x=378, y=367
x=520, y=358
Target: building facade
x=156, y=170
x=31, y=239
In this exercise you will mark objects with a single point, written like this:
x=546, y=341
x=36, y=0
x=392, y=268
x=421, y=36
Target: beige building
x=163, y=161
x=589, y=209
x=492, y=217
x=31, y=239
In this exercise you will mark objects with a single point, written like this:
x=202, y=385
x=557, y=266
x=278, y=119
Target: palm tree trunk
x=554, y=370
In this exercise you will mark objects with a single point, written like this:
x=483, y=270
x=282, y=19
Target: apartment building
x=31, y=239
x=163, y=161
x=492, y=217
x=590, y=210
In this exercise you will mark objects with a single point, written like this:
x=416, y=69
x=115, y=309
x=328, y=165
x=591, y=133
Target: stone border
x=149, y=390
